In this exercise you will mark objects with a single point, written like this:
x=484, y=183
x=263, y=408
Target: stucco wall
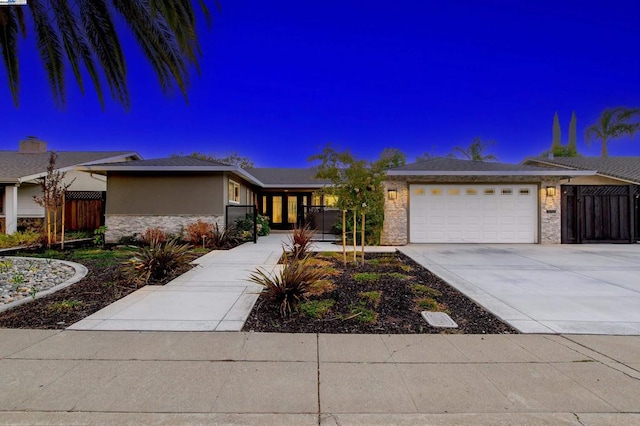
x=119, y=226
x=395, y=230
x=165, y=194
x=593, y=180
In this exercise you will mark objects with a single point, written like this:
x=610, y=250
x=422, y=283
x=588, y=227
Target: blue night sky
x=279, y=80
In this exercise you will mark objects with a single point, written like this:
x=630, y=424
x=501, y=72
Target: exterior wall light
x=392, y=194
x=551, y=191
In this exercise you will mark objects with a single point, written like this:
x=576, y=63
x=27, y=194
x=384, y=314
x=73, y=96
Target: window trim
x=234, y=192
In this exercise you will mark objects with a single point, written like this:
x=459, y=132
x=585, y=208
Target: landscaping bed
x=385, y=295
x=104, y=284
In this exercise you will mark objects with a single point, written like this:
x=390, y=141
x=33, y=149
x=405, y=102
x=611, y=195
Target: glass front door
x=283, y=209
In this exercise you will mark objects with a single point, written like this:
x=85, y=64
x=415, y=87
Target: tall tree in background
x=82, y=34
x=233, y=159
x=572, y=145
x=556, y=141
x=614, y=123
x=476, y=150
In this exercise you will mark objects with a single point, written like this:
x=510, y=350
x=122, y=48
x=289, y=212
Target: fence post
x=255, y=225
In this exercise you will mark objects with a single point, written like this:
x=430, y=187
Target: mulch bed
x=396, y=311
x=103, y=285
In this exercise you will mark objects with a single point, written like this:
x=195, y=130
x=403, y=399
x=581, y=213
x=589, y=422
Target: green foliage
x=365, y=277
x=572, y=146
x=428, y=304
x=157, y=261
x=317, y=308
x=288, y=287
x=423, y=290
x=300, y=242
x=98, y=236
x=224, y=238
x=245, y=225
x=18, y=239
x=129, y=240
x=396, y=275
x=556, y=142
x=358, y=185
x=612, y=124
x=362, y=314
x=64, y=305
x=372, y=297
x=5, y=265
x=476, y=150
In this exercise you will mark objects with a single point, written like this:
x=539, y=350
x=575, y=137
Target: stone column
x=550, y=214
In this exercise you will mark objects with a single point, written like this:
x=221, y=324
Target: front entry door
x=283, y=209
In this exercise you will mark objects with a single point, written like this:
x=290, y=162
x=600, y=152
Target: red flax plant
x=53, y=192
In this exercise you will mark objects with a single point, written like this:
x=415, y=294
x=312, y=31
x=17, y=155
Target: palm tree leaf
x=50, y=49
x=103, y=39
x=9, y=27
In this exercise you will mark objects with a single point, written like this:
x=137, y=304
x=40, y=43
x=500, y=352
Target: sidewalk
x=62, y=377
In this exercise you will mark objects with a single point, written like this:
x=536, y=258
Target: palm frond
x=11, y=21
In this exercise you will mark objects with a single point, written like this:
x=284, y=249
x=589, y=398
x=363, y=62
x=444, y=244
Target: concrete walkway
x=86, y=377
x=581, y=289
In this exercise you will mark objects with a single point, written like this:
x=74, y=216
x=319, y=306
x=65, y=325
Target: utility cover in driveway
x=439, y=319
x=499, y=213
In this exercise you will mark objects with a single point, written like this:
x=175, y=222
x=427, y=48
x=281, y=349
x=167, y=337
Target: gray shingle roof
x=15, y=165
x=627, y=168
x=167, y=162
x=293, y=177
x=456, y=165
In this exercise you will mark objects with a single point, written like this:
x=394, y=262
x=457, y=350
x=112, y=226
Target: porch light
x=551, y=191
x=392, y=194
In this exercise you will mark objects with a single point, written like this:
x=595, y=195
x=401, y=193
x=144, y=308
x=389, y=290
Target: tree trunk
x=355, y=236
x=344, y=237
x=362, y=239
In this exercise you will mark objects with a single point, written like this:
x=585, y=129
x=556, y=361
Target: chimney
x=32, y=145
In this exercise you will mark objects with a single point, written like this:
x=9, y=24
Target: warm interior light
x=393, y=194
x=551, y=191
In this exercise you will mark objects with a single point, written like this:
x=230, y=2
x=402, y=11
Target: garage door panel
x=473, y=213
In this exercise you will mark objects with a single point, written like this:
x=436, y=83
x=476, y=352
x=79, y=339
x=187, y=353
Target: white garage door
x=473, y=214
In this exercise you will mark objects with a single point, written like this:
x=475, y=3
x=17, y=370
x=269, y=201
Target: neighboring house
x=445, y=200
x=22, y=171
x=604, y=207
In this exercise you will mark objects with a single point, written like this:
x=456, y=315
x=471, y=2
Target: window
x=489, y=191
x=436, y=191
x=330, y=200
x=234, y=192
x=418, y=191
x=277, y=209
x=454, y=191
x=472, y=191
x=507, y=191
x=264, y=205
x=524, y=191
x=1, y=199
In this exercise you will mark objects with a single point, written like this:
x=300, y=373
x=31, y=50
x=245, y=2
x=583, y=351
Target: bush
x=157, y=261
x=153, y=236
x=24, y=238
x=224, y=238
x=288, y=287
x=317, y=308
x=300, y=242
x=245, y=225
x=197, y=230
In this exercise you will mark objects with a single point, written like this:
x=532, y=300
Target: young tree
x=476, y=150
x=614, y=123
x=53, y=192
x=84, y=34
x=358, y=186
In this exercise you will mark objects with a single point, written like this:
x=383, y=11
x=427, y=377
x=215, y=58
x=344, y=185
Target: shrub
x=317, y=308
x=198, y=232
x=373, y=297
x=224, y=238
x=396, y=275
x=157, y=261
x=245, y=225
x=21, y=238
x=364, y=277
x=428, y=304
x=153, y=236
x=423, y=290
x=288, y=287
x=300, y=242
x=362, y=314
x=320, y=287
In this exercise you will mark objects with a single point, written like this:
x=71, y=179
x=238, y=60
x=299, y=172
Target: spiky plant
x=83, y=34
x=288, y=287
x=300, y=242
x=157, y=261
x=224, y=237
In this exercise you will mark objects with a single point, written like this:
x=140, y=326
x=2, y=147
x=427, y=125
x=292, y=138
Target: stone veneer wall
x=395, y=230
x=119, y=226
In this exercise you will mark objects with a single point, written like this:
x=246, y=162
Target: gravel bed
x=26, y=277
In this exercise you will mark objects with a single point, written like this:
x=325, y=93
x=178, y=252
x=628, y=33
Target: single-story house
x=21, y=172
x=436, y=201
x=604, y=207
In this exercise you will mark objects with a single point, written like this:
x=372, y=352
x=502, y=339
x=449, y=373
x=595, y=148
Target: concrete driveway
x=570, y=289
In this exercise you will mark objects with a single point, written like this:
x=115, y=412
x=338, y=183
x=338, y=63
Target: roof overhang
x=560, y=173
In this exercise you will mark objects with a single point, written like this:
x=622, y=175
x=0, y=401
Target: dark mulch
x=397, y=311
x=104, y=284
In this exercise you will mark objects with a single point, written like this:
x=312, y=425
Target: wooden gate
x=84, y=210
x=600, y=214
